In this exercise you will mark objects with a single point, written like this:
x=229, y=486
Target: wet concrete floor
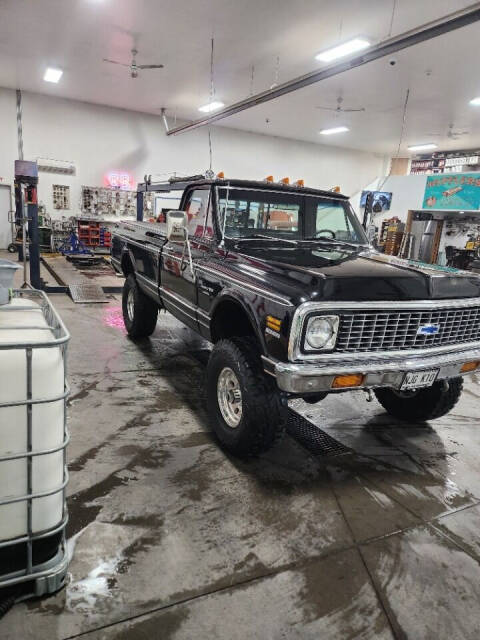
x=371, y=531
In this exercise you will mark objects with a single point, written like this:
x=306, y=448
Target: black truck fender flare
x=127, y=256
x=232, y=295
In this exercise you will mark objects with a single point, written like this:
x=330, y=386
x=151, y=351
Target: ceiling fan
x=339, y=108
x=133, y=66
x=451, y=134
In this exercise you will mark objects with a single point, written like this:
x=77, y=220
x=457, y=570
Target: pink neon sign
x=120, y=180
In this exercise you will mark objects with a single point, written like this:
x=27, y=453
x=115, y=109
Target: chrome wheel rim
x=229, y=397
x=130, y=305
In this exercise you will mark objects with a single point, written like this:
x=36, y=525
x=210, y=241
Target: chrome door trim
x=147, y=247
x=203, y=313
x=248, y=287
x=150, y=285
x=176, y=300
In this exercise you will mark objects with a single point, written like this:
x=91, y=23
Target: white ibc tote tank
x=33, y=434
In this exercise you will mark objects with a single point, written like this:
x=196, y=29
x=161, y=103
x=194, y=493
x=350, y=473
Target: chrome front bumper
x=380, y=370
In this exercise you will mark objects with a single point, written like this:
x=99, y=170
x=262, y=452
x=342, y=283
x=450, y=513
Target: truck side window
x=196, y=208
x=332, y=218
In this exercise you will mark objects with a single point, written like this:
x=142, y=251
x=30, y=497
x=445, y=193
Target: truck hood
x=317, y=273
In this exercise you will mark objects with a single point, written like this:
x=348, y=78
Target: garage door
x=5, y=228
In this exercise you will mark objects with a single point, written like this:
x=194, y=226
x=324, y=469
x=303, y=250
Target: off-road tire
x=145, y=310
x=427, y=404
x=264, y=417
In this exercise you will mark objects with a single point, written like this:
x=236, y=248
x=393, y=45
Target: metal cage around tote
x=48, y=575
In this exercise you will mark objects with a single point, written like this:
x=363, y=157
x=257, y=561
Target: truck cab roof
x=181, y=184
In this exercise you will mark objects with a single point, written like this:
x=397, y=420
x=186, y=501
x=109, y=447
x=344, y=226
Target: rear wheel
x=424, y=404
x=244, y=405
x=139, y=311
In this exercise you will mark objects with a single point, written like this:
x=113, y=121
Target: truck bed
x=144, y=232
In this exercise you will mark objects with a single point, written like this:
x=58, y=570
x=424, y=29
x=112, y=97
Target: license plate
x=417, y=379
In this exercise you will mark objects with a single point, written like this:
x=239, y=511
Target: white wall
x=102, y=139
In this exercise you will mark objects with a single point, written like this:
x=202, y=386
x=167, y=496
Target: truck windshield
x=287, y=215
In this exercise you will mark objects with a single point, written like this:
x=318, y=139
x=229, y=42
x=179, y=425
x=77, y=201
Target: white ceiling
x=76, y=35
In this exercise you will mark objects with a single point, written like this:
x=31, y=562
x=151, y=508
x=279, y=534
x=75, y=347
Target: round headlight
x=319, y=332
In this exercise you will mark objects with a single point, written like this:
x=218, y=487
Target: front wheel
x=244, y=405
x=139, y=311
x=424, y=404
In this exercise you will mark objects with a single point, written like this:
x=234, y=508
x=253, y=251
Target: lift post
x=26, y=203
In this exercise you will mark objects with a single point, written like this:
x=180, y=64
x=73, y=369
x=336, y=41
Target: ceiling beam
x=425, y=32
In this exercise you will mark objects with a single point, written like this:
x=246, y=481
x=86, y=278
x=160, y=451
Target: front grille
x=398, y=330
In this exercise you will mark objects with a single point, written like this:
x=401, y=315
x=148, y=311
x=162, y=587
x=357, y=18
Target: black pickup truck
x=282, y=280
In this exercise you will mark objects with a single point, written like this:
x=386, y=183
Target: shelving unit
x=448, y=162
x=93, y=234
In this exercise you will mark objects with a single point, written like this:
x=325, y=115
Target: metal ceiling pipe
x=450, y=22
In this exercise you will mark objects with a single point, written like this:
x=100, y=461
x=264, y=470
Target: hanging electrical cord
x=210, y=147
x=402, y=132
x=212, y=88
x=212, y=95
x=252, y=75
x=277, y=73
x=392, y=17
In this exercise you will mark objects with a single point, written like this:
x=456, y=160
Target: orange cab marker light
x=285, y=181
x=220, y=175
x=349, y=380
x=299, y=183
x=336, y=189
x=469, y=366
x=269, y=179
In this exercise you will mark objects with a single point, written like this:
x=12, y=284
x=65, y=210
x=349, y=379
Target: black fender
x=232, y=295
x=127, y=255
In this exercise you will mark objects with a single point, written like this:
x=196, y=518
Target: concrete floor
x=172, y=538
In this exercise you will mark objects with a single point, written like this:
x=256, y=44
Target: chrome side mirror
x=177, y=231
x=177, y=223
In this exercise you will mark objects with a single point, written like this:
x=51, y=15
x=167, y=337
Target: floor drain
x=312, y=438
x=87, y=293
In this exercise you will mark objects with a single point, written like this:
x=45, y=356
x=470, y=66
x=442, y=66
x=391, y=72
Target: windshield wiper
x=260, y=236
x=340, y=243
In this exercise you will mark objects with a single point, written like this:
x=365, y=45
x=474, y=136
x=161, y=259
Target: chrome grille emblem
x=428, y=330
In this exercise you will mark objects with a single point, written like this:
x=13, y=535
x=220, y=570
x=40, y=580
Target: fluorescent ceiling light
x=211, y=106
x=328, y=132
x=52, y=75
x=423, y=147
x=475, y=101
x=342, y=50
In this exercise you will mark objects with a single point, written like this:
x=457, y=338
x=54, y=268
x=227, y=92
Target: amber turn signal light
x=274, y=323
x=350, y=380
x=469, y=366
